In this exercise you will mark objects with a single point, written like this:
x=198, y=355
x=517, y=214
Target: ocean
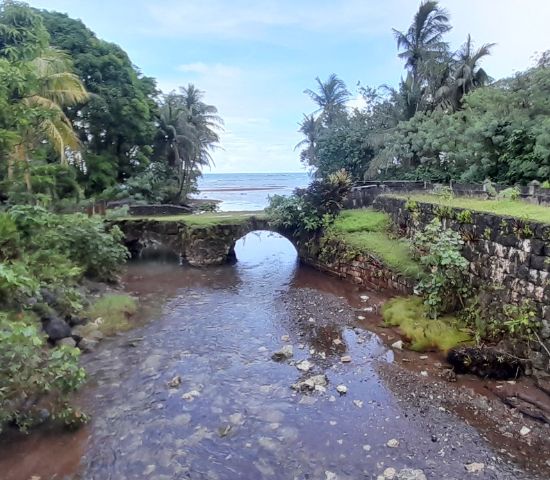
x=248, y=191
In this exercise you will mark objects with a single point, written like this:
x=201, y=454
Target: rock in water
x=484, y=362
x=283, y=354
x=342, y=389
x=304, y=366
x=55, y=328
x=474, y=467
x=313, y=383
x=175, y=382
x=410, y=474
x=393, y=443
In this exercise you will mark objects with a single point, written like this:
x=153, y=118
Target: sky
x=254, y=58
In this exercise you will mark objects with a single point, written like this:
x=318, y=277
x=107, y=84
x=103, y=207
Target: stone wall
x=503, y=251
x=364, y=194
x=335, y=258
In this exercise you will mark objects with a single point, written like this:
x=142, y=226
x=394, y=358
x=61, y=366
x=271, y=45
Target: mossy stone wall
x=335, y=257
x=503, y=251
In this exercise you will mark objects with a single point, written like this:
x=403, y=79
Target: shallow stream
x=234, y=415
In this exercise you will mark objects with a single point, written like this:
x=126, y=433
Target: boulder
x=55, y=328
x=87, y=345
x=485, y=362
x=48, y=296
x=73, y=320
x=69, y=342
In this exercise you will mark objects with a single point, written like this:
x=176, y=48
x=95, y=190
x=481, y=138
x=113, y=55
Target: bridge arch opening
x=264, y=246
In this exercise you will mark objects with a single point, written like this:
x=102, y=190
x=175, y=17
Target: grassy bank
x=505, y=207
x=112, y=313
x=205, y=219
x=368, y=231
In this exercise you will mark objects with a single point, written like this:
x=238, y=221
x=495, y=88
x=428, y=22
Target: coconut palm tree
x=424, y=38
x=51, y=88
x=205, y=122
x=466, y=74
x=188, y=132
x=331, y=97
x=309, y=126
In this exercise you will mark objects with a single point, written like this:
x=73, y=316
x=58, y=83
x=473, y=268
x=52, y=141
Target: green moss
x=424, y=333
x=114, y=311
x=504, y=206
x=368, y=231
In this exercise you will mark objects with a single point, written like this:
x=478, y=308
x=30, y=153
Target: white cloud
x=253, y=19
x=217, y=69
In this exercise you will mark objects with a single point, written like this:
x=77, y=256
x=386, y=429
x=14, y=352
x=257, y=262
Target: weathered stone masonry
x=197, y=245
x=502, y=251
x=363, y=269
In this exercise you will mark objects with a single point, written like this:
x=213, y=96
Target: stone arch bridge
x=199, y=240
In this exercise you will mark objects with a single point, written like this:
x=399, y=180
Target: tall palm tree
x=331, y=97
x=309, y=127
x=466, y=74
x=424, y=38
x=188, y=132
x=52, y=88
x=206, y=123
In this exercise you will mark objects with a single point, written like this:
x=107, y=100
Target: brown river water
x=234, y=415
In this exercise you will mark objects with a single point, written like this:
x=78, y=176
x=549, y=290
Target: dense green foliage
x=116, y=125
x=447, y=120
x=310, y=210
x=35, y=380
x=43, y=258
x=78, y=119
x=444, y=283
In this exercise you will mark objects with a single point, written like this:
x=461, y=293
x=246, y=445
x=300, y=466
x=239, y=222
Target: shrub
x=443, y=191
x=16, y=283
x=9, y=237
x=33, y=377
x=83, y=240
x=511, y=193
x=444, y=284
x=309, y=210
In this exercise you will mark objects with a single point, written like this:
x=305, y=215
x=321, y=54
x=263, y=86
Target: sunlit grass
x=368, y=231
x=512, y=208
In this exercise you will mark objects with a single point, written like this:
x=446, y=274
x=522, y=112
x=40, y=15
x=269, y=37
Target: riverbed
x=193, y=393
